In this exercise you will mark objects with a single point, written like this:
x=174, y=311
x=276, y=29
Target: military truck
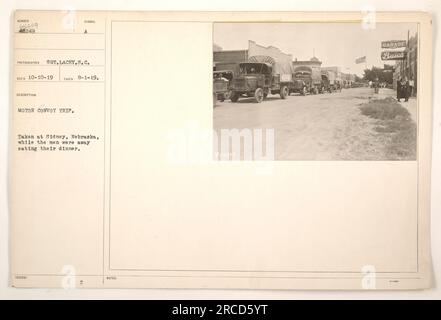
x=221, y=85
x=267, y=71
x=325, y=82
x=333, y=80
x=258, y=80
x=307, y=81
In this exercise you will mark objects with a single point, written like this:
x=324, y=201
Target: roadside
x=394, y=126
x=410, y=105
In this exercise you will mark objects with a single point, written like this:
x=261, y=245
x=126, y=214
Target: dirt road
x=315, y=127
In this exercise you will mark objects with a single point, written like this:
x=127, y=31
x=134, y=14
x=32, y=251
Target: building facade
x=229, y=59
x=347, y=79
x=409, y=66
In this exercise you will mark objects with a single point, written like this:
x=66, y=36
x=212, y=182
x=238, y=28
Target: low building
x=347, y=79
x=229, y=59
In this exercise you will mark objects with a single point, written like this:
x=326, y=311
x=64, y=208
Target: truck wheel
x=258, y=95
x=234, y=96
x=284, y=92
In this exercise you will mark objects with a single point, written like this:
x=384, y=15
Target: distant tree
x=378, y=73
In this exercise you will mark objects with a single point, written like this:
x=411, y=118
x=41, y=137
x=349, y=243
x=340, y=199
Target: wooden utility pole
x=407, y=61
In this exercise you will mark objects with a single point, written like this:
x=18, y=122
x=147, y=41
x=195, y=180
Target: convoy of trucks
x=262, y=71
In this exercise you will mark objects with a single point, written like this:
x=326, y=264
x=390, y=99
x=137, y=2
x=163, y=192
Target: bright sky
x=335, y=44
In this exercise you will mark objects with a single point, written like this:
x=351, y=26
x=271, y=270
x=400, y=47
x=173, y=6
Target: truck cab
x=221, y=84
x=326, y=83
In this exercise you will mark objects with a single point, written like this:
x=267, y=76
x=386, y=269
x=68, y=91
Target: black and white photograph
x=315, y=91
x=260, y=153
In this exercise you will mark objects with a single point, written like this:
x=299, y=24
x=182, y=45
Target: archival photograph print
x=315, y=91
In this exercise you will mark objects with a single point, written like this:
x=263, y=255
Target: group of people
x=376, y=85
x=404, y=89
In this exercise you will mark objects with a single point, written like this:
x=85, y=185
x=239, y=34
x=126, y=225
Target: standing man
x=376, y=85
x=411, y=86
x=406, y=89
x=399, y=89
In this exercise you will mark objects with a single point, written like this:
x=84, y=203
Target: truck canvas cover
x=307, y=72
x=281, y=62
x=330, y=74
